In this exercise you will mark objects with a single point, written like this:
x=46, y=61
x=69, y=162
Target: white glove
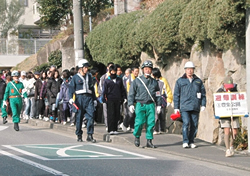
x=71, y=101
x=125, y=101
x=176, y=110
x=158, y=109
x=132, y=108
x=95, y=103
x=4, y=103
x=203, y=108
x=168, y=104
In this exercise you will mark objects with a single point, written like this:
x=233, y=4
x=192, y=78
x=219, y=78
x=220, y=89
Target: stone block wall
x=211, y=67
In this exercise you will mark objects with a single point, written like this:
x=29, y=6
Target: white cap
x=23, y=73
x=189, y=64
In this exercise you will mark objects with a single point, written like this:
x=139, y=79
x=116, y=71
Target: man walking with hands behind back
x=189, y=100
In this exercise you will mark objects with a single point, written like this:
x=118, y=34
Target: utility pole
x=90, y=22
x=78, y=30
x=247, y=69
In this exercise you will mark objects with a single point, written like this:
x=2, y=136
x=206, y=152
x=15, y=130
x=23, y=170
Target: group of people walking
x=127, y=101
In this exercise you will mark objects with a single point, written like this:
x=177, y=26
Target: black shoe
x=16, y=127
x=149, y=144
x=4, y=120
x=90, y=138
x=79, y=138
x=137, y=142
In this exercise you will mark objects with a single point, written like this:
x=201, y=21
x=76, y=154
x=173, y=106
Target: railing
x=21, y=46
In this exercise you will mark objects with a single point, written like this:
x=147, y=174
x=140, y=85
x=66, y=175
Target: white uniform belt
x=83, y=91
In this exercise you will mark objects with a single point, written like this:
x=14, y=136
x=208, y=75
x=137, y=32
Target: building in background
x=28, y=39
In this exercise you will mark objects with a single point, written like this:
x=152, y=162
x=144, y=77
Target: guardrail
x=21, y=46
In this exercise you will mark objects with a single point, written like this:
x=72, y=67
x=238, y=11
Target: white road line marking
x=25, y=152
x=61, y=152
x=124, y=151
x=3, y=128
x=37, y=165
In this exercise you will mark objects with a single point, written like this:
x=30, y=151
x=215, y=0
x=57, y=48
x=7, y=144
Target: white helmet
x=14, y=73
x=189, y=64
x=83, y=63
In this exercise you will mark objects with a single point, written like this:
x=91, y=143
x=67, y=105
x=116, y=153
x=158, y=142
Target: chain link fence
x=21, y=46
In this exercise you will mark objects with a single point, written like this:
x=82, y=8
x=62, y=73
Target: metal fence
x=21, y=46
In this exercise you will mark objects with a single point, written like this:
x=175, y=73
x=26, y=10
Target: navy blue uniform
x=83, y=88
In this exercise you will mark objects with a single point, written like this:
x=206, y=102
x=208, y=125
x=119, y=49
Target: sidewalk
x=166, y=143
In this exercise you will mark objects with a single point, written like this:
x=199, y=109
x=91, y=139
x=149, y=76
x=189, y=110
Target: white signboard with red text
x=227, y=104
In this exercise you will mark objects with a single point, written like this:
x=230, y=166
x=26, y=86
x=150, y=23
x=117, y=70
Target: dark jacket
x=53, y=88
x=114, y=91
x=38, y=87
x=43, y=91
x=2, y=88
x=138, y=93
x=186, y=94
x=77, y=84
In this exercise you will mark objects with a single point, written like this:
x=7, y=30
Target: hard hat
x=14, y=73
x=83, y=63
x=189, y=64
x=147, y=64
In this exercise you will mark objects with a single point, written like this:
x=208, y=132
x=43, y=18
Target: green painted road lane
x=74, y=152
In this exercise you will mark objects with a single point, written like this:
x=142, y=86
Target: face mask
x=112, y=76
x=146, y=74
x=16, y=80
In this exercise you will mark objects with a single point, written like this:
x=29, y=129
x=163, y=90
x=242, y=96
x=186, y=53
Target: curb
x=59, y=127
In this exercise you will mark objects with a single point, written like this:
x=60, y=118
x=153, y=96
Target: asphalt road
x=43, y=152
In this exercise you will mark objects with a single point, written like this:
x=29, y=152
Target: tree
x=54, y=12
x=10, y=16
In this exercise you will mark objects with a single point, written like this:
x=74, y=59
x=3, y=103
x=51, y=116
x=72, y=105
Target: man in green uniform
x=145, y=92
x=2, y=90
x=14, y=91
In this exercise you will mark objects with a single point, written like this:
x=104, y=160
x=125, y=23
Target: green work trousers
x=16, y=107
x=145, y=113
x=3, y=109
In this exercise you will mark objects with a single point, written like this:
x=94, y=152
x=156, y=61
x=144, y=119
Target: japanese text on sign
x=227, y=104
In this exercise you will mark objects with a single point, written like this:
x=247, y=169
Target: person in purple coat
x=64, y=96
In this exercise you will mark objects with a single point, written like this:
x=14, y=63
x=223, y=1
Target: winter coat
x=53, y=88
x=64, y=91
x=138, y=92
x=29, y=85
x=38, y=87
x=114, y=91
x=2, y=88
x=189, y=96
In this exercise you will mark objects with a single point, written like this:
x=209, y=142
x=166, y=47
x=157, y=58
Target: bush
x=175, y=25
x=226, y=23
x=42, y=67
x=111, y=40
x=55, y=58
x=193, y=25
